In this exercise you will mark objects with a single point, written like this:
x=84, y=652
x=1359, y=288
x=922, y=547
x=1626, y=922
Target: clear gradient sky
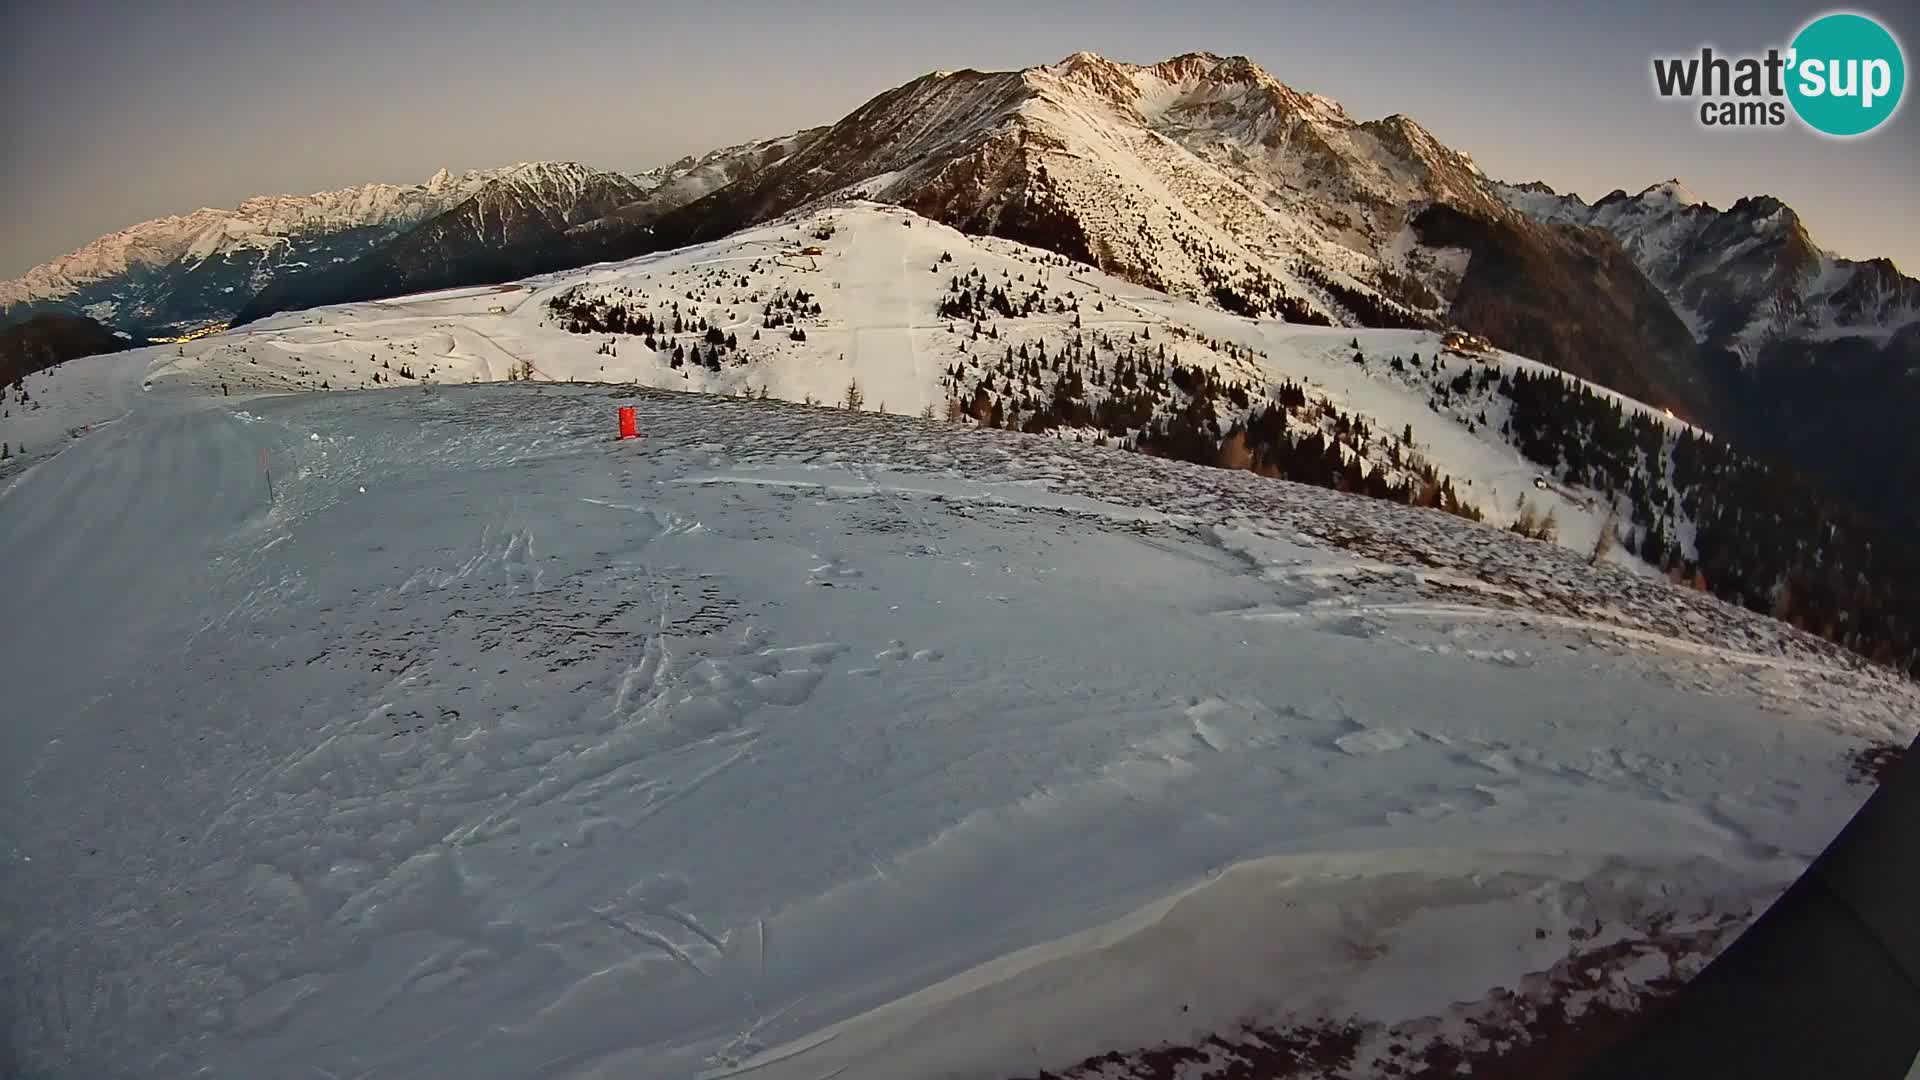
x=118, y=112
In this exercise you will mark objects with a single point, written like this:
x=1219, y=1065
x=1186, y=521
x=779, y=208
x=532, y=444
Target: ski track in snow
x=493, y=747
x=887, y=334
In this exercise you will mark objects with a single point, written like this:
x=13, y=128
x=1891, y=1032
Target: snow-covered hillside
x=437, y=733
x=880, y=282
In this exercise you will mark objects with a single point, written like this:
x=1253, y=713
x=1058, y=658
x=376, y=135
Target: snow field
x=519, y=751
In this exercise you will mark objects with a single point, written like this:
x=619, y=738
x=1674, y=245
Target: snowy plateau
x=426, y=730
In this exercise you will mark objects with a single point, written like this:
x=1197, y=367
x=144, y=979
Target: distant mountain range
x=1202, y=176
x=178, y=274
x=1745, y=277
x=1808, y=357
x=510, y=226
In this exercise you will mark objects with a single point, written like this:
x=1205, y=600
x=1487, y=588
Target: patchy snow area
x=798, y=743
x=1399, y=938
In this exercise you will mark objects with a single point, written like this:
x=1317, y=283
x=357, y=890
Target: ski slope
x=788, y=742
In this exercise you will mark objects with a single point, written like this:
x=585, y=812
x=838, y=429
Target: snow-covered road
x=492, y=747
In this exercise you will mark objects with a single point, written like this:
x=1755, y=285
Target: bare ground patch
x=1547, y=1027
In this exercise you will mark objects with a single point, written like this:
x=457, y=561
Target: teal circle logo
x=1847, y=74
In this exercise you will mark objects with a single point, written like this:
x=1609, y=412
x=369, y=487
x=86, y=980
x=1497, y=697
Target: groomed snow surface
x=789, y=742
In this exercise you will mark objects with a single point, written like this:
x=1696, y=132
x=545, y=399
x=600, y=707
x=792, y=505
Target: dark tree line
x=1370, y=308
x=1248, y=289
x=784, y=308
x=1134, y=393
x=970, y=297
x=1765, y=538
x=1589, y=438
x=1265, y=445
x=580, y=312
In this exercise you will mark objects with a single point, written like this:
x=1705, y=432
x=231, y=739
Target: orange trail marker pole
x=629, y=424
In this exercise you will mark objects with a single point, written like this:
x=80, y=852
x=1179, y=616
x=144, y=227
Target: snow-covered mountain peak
x=1190, y=87
x=1655, y=201
x=1086, y=63
x=671, y=186
x=1126, y=82
x=527, y=199
x=1671, y=193
x=910, y=340
x=1194, y=66
x=557, y=178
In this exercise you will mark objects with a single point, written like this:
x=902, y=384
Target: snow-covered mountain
x=1206, y=177
x=1743, y=277
x=1178, y=636
x=672, y=186
x=262, y=222
x=181, y=271
x=922, y=316
x=1201, y=175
